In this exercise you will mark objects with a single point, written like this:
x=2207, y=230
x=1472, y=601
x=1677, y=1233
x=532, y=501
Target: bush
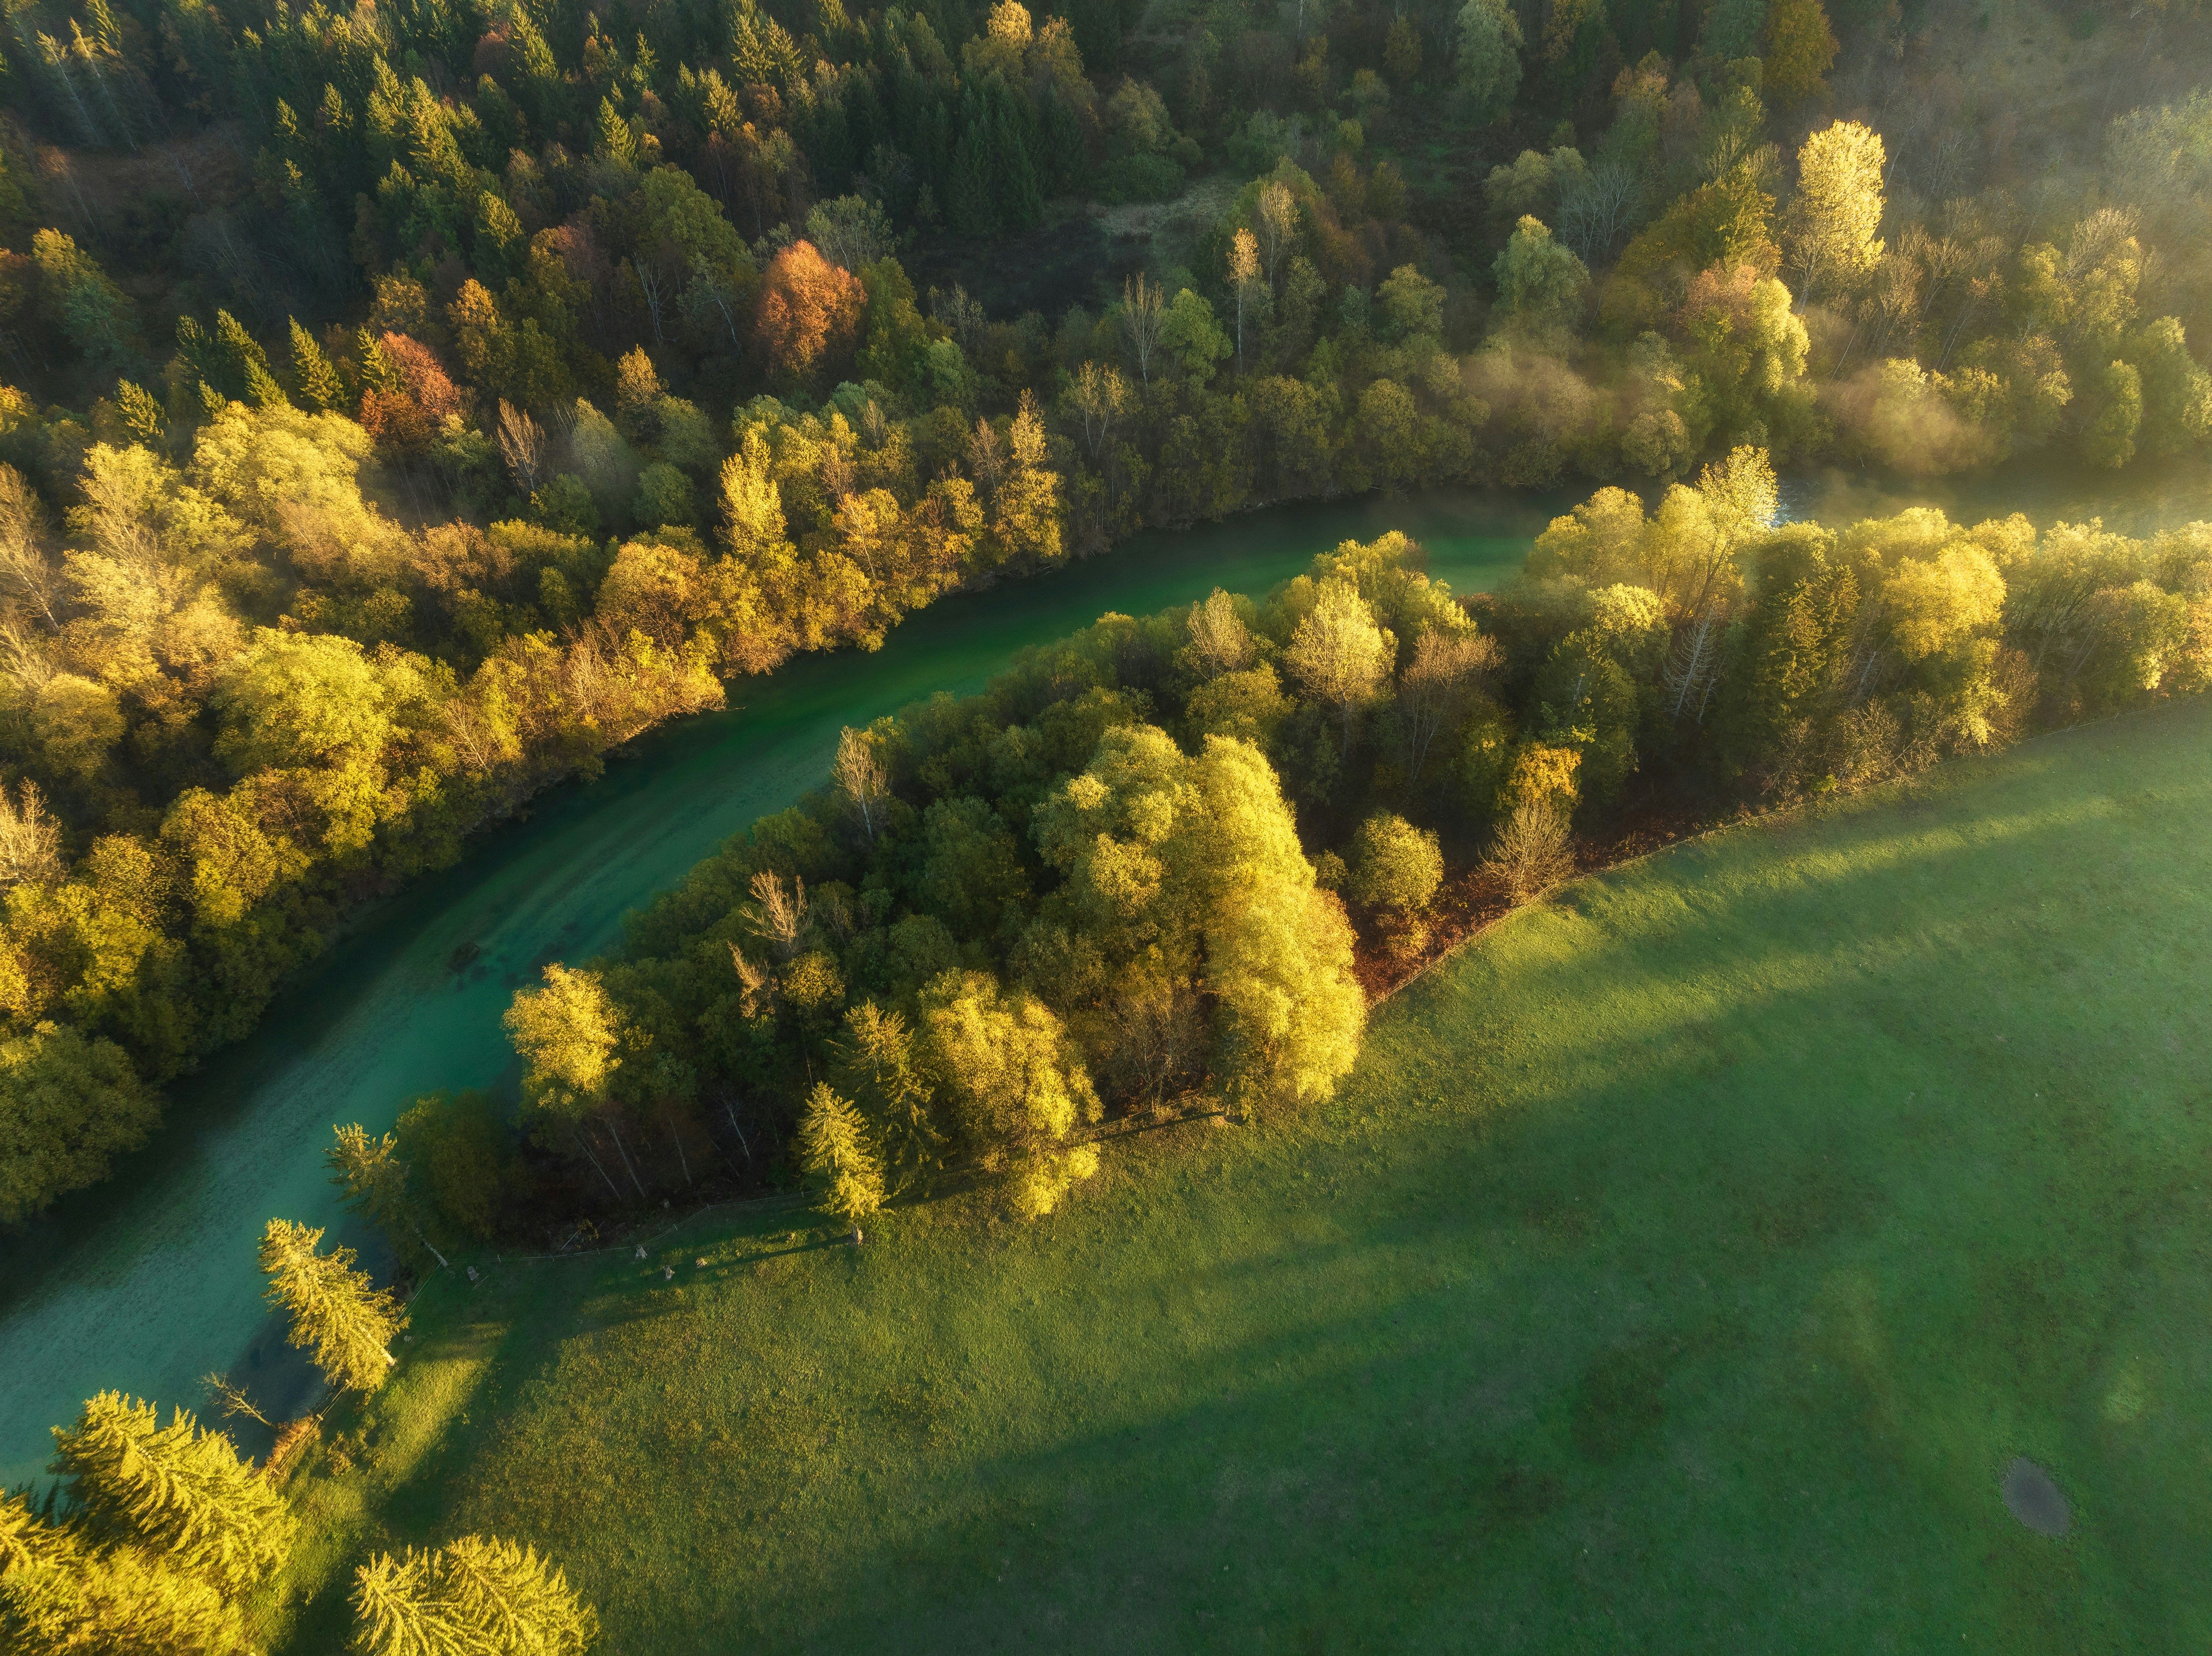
x=1141, y=177
x=1394, y=864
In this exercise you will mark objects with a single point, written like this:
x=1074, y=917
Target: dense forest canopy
x=1127, y=880
x=404, y=406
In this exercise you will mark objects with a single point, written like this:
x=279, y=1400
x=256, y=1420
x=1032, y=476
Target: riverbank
x=148, y=1282
x=1857, y=1142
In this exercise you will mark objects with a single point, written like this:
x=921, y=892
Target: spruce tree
x=518, y=1601
x=318, y=384
x=399, y=1609
x=335, y=1310
x=181, y=1493
x=480, y=1596
x=376, y=1183
x=248, y=365
x=58, y=1593
x=143, y=416
x=833, y=1138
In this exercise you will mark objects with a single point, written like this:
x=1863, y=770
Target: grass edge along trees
x=1010, y=915
x=1394, y=1357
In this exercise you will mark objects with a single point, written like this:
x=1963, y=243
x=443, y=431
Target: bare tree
x=778, y=913
x=962, y=316
x=24, y=572
x=1243, y=279
x=1219, y=637
x=1278, y=225
x=860, y=775
x=1099, y=395
x=1144, y=313
x=986, y=457
x=1533, y=853
x=1436, y=686
x=522, y=446
x=1594, y=209
x=851, y=230
x=757, y=991
x=30, y=839
x=22, y=661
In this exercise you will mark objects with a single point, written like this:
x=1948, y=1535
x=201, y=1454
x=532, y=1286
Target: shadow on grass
x=1714, y=1329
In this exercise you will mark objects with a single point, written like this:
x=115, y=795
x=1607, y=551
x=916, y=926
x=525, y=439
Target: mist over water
x=148, y=1281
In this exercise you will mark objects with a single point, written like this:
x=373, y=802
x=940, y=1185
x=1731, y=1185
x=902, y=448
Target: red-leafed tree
x=409, y=394
x=810, y=312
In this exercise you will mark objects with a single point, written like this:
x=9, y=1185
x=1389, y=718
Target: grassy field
x=1681, y=1270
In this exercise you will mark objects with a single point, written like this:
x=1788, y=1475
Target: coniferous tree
x=181, y=1492
x=376, y=1186
x=834, y=1143
x=480, y=1597
x=335, y=1310
x=248, y=379
x=318, y=381
x=58, y=1594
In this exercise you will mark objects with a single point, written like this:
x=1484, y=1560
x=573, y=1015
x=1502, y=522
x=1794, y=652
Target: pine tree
x=248, y=364
x=878, y=1064
x=376, y=1183
x=480, y=1596
x=144, y=417
x=617, y=143
x=59, y=1594
x=181, y=1493
x=833, y=1140
x=515, y=1599
x=399, y=1609
x=318, y=384
x=335, y=1309
x=378, y=370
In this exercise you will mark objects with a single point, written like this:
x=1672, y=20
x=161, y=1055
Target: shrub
x=1141, y=177
x=1395, y=864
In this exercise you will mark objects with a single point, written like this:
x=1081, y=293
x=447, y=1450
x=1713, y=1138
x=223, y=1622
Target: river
x=148, y=1281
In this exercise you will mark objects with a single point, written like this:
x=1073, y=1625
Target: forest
x=404, y=407
x=408, y=407
x=1129, y=877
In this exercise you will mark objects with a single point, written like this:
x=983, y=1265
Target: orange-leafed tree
x=407, y=392
x=810, y=312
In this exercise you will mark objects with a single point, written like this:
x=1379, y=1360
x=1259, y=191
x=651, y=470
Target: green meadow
x=1681, y=1270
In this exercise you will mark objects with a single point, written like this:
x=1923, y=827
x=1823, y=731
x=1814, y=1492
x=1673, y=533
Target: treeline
x=1127, y=877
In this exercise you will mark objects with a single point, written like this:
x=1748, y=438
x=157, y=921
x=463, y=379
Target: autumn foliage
x=810, y=311
x=418, y=394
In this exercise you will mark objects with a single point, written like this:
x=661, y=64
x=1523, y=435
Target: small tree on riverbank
x=347, y=1320
x=376, y=1186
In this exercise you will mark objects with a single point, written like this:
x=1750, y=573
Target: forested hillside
x=404, y=406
